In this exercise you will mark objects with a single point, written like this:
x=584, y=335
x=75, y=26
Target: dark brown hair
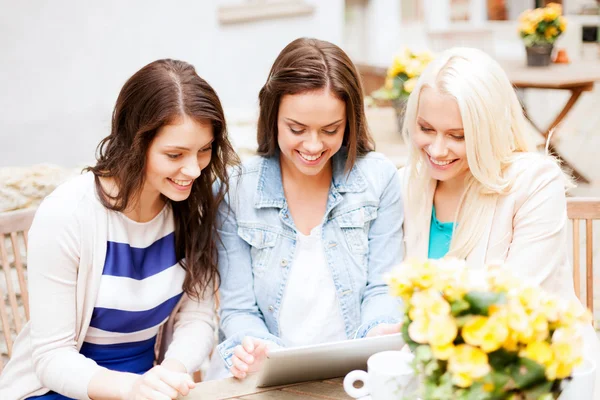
x=306, y=65
x=158, y=94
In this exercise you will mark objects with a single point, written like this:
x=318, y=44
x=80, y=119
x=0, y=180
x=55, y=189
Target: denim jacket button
x=271, y=308
x=284, y=263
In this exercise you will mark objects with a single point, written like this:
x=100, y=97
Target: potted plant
x=539, y=29
x=401, y=79
x=484, y=334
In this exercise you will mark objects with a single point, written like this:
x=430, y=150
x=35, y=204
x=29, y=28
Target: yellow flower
x=442, y=352
x=418, y=330
x=519, y=321
x=410, y=84
x=540, y=352
x=551, y=31
x=567, y=350
x=556, y=7
x=525, y=15
x=399, y=280
x=442, y=330
x=574, y=312
x=512, y=342
x=527, y=28
x=551, y=13
x=414, y=68
x=562, y=24
x=425, y=275
x=540, y=327
x=467, y=364
x=427, y=304
x=487, y=333
x=550, y=307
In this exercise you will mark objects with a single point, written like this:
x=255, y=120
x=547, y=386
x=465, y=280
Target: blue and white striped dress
x=140, y=285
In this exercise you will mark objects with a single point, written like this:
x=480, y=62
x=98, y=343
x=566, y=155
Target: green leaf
x=501, y=358
x=423, y=353
x=539, y=391
x=480, y=302
x=527, y=373
x=458, y=306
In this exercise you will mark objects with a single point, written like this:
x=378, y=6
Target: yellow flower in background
x=396, y=68
x=512, y=342
x=527, y=28
x=555, y=6
x=400, y=282
x=418, y=330
x=442, y=331
x=519, y=321
x=467, y=364
x=574, y=312
x=410, y=84
x=549, y=307
x=551, y=31
x=443, y=352
x=551, y=13
x=540, y=326
x=530, y=297
x=562, y=24
x=539, y=351
x=428, y=303
x=487, y=333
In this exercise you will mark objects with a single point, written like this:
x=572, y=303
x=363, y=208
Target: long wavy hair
x=307, y=65
x=496, y=136
x=158, y=94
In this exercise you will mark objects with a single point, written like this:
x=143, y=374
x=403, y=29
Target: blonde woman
x=475, y=187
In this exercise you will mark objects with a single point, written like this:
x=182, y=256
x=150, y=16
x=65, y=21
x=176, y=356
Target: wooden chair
x=14, y=226
x=588, y=209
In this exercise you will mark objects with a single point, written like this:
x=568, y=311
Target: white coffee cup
x=390, y=374
x=581, y=387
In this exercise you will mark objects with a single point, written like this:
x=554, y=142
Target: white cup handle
x=351, y=378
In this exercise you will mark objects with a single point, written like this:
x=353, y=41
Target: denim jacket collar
x=269, y=187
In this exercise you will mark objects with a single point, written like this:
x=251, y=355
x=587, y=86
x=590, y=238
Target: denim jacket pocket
x=261, y=246
x=354, y=224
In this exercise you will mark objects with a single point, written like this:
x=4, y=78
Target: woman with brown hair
x=122, y=261
x=311, y=225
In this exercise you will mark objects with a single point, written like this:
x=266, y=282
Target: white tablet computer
x=322, y=361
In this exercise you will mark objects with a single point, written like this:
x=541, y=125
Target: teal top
x=440, y=235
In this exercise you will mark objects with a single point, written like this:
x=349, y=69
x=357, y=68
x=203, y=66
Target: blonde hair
x=495, y=131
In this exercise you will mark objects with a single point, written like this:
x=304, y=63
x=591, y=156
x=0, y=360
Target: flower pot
x=539, y=55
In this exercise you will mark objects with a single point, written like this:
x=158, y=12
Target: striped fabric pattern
x=141, y=281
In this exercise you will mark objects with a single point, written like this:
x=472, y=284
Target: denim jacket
x=362, y=235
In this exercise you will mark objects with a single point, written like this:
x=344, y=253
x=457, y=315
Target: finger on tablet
x=239, y=364
x=241, y=353
x=248, y=344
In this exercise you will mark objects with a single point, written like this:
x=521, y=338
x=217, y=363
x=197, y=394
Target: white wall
x=62, y=63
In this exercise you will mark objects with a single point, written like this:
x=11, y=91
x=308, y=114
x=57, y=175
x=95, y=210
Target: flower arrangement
x=402, y=75
x=542, y=25
x=484, y=334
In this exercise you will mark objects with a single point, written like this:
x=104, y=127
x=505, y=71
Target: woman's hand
x=249, y=356
x=159, y=383
x=384, y=329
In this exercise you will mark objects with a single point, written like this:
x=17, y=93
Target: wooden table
x=577, y=77
x=231, y=388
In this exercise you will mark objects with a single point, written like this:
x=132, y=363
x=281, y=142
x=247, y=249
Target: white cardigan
x=527, y=230
x=67, y=248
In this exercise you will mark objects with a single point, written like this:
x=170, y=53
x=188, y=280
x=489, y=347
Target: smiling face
x=175, y=158
x=439, y=135
x=310, y=130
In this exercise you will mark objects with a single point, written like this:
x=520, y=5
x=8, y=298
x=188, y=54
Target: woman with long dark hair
x=122, y=260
